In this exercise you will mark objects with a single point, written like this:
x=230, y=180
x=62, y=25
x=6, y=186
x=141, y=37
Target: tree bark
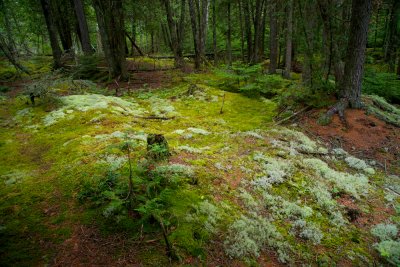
x=394, y=32
x=241, y=29
x=83, y=27
x=258, y=31
x=354, y=66
x=198, y=10
x=51, y=28
x=229, y=37
x=176, y=31
x=214, y=28
x=289, y=33
x=110, y=20
x=273, y=37
x=61, y=13
x=247, y=23
x=195, y=31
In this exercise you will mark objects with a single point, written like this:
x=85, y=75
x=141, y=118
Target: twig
x=291, y=116
x=154, y=118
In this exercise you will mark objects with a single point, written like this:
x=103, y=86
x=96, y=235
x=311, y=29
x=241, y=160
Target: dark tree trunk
x=203, y=26
x=354, y=66
x=247, y=23
x=289, y=33
x=175, y=31
x=229, y=37
x=273, y=37
x=83, y=27
x=198, y=10
x=51, y=28
x=214, y=28
x=258, y=31
x=110, y=19
x=394, y=38
x=61, y=17
x=195, y=31
x=241, y=29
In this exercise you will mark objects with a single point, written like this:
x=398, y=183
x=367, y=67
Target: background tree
x=109, y=14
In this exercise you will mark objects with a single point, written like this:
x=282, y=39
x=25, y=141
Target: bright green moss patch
x=231, y=177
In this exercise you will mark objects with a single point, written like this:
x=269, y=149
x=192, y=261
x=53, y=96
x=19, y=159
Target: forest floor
x=241, y=191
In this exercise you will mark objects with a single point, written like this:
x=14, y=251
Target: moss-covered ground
x=252, y=193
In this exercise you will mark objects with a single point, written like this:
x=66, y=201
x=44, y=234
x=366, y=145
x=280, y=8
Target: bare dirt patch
x=366, y=137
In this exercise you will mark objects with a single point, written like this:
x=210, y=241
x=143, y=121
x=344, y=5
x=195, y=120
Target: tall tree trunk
x=273, y=37
x=198, y=10
x=175, y=31
x=203, y=26
x=214, y=28
x=258, y=23
x=394, y=38
x=354, y=66
x=247, y=23
x=51, y=28
x=110, y=19
x=83, y=27
x=195, y=31
x=61, y=12
x=241, y=29
x=228, y=42
x=289, y=33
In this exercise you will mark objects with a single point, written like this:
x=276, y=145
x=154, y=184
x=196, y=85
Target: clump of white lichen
x=359, y=164
x=356, y=184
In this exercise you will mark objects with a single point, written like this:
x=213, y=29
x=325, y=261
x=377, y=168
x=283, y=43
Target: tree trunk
x=273, y=37
x=83, y=27
x=354, y=66
x=51, y=28
x=195, y=31
x=198, y=10
x=394, y=32
x=61, y=17
x=110, y=20
x=175, y=31
x=214, y=27
x=203, y=26
x=247, y=23
x=228, y=42
x=241, y=29
x=289, y=33
x=258, y=31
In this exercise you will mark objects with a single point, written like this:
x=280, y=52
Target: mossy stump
x=157, y=147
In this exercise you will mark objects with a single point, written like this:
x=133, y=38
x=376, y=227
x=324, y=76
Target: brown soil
x=87, y=247
x=366, y=137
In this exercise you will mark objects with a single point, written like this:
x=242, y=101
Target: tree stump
x=157, y=147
